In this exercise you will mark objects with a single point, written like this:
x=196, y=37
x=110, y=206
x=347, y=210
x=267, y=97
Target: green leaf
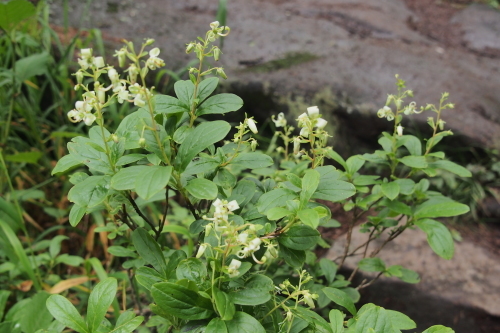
x=90, y=192
x=406, y=186
x=220, y=104
x=66, y=163
x=294, y=258
x=310, y=183
x=125, y=179
x=244, y=323
x=206, y=88
x=418, y=162
x=184, y=90
x=440, y=207
x=400, y=321
x=336, y=321
x=277, y=213
x=435, y=140
x=35, y=314
x=309, y=217
x=341, y=298
x=14, y=12
x=201, y=165
x=100, y=299
x=4, y=296
x=75, y=214
x=337, y=158
x=66, y=313
x=192, y=269
x=398, y=207
x=216, y=325
x=354, y=163
x=16, y=252
x=252, y=160
x=224, y=304
x=257, y=290
x=180, y=301
x=364, y=180
x=201, y=188
x=329, y=269
x=147, y=276
x=438, y=329
x=371, y=265
x=412, y=143
x=127, y=322
x=202, y=136
x=130, y=158
x=390, y=190
x=32, y=65
x=25, y=157
x=409, y=276
x=152, y=180
x=386, y=144
x=299, y=237
x=120, y=251
x=55, y=245
x=169, y=105
x=438, y=237
x=149, y=250
x=375, y=318
x=274, y=198
x=451, y=167
x=330, y=188
x=225, y=178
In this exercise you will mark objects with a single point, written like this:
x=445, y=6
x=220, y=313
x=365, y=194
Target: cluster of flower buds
x=307, y=121
x=248, y=247
x=221, y=215
x=87, y=60
x=232, y=269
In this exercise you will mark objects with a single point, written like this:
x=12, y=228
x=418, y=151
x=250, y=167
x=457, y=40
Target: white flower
x=400, y=130
x=304, y=132
x=281, y=121
x=235, y=264
x=321, y=123
x=113, y=75
x=88, y=119
x=84, y=64
x=254, y=244
x=313, y=111
x=214, y=25
x=139, y=101
x=242, y=238
x=154, y=62
x=218, y=204
x=252, y=126
x=308, y=299
x=303, y=118
x=83, y=106
x=122, y=93
x=86, y=53
x=75, y=116
x=99, y=62
x=232, y=205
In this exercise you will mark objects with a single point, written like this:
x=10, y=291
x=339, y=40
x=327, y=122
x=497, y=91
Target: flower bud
x=253, y=145
x=221, y=73
x=252, y=126
x=190, y=47
x=114, y=137
x=214, y=25
x=113, y=75
x=216, y=54
x=79, y=77
x=99, y=62
x=235, y=264
x=296, y=145
x=142, y=142
x=441, y=123
x=122, y=57
x=88, y=119
x=400, y=130
x=201, y=250
x=149, y=41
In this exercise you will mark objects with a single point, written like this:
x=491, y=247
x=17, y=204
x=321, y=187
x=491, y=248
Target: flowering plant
x=255, y=219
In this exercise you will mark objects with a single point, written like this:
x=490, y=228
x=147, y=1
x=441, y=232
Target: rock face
x=470, y=278
x=351, y=47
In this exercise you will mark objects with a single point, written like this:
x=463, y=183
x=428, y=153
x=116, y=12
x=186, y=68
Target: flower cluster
x=221, y=215
x=123, y=89
x=281, y=121
x=307, y=121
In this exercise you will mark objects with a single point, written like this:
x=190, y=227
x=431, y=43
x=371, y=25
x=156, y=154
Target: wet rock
x=480, y=25
x=469, y=279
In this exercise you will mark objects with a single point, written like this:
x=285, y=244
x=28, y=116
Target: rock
x=480, y=25
x=470, y=278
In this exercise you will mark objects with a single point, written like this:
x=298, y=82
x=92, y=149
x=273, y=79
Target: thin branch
x=349, y=236
x=367, y=243
x=138, y=211
x=364, y=285
x=164, y=219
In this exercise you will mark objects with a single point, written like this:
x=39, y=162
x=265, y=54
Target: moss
x=289, y=60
